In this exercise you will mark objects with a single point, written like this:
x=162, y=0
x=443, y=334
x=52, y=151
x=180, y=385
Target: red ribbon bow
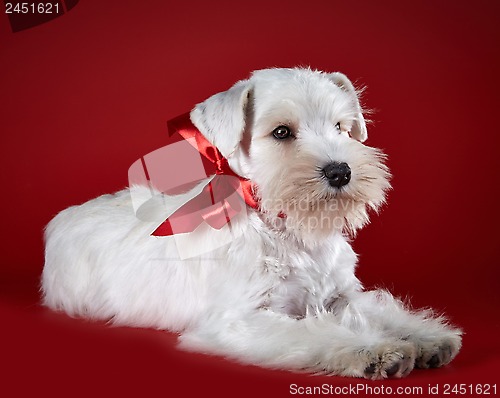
x=216, y=204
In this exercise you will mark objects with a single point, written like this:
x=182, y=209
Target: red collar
x=217, y=203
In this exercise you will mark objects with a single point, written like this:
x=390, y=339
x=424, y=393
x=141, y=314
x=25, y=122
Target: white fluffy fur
x=282, y=294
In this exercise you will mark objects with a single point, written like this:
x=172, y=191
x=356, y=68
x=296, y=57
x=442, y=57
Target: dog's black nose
x=338, y=174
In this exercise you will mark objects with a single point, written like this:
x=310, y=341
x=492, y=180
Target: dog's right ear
x=358, y=131
x=221, y=118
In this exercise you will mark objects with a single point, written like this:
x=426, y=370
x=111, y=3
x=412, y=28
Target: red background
x=86, y=94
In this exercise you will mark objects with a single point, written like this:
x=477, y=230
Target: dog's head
x=297, y=134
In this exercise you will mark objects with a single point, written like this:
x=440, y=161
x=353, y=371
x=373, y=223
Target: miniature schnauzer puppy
x=282, y=291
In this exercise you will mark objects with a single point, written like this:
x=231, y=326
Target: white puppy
x=282, y=291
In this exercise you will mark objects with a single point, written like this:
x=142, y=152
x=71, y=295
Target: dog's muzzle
x=337, y=174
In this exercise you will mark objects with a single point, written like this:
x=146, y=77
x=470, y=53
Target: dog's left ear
x=221, y=118
x=358, y=130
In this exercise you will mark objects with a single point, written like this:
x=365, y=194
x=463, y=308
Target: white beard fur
x=283, y=296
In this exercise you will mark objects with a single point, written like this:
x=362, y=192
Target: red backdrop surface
x=86, y=94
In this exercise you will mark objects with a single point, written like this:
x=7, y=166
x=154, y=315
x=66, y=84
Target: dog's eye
x=337, y=126
x=282, y=132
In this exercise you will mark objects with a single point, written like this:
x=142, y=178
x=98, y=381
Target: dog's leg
x=437, y=342
x=315, y=343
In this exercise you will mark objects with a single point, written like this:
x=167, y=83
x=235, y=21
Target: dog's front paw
x=393, y=360
x=434, y=352
x=390, y=359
